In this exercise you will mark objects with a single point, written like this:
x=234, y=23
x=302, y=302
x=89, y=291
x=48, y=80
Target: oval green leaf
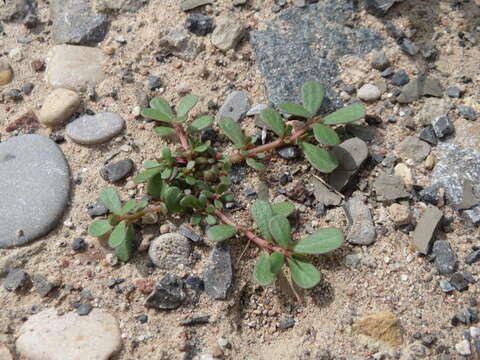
x=262, y=272
x=294, y=109
x=312, y=96
x=154, y=186
x=304, y=274
x=129, y=205
x=110, y=199
x=221, y=232
x=186, y=104
x=147, y=174
x=164, y=131
x=283, y=208
x=274, y=121
x=348, y=114
x=99, y=228
x=125, y=250
x=261, y=212
x=118, y=234
x=255, y=164
x=321, y=242
x=156, y=115
x=276, y=262
x=319, y=158
x=281, y=230
x=325, y=135
x=233, y=131
x=200, y=124
x=161, y=105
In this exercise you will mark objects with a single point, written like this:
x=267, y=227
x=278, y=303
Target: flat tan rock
x=48, y=336
x=75, y=67
x=57, y=108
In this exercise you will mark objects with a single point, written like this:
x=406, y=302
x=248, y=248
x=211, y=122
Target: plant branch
x=182, y=135
x=257, y=240
x=140, y=214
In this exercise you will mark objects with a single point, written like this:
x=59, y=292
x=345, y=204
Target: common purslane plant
x=192, y=180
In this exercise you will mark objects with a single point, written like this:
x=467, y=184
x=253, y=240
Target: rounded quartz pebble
x=95, y=129
x=34, y=188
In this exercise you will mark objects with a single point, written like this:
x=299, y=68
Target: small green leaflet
x=221, y=232
x=129, y=205
x=172, y=199
x=294, y=109
x=322, y=242
x=110, y=199
x=164, y=131
x=118, y=234
x=319, y=158
x=190, y=201
x=325, y=135
x=124, y=250
x=255, y=164
x=283, y=208
x=274, y=121
x=99, y=228
x=147, y=174
x=154, y=186
x=261, y=212
x=233, y=131
x=281, y=230
x=304, y=274
x=161, y=105
x=156, y=115
x=312, y=96
x=276, y=262
x=262, y=272
x=347, y=114
x=150, y=164
x=200, y=124
x=186, y=104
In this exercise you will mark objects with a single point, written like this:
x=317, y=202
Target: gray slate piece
x=362, y=231
x=445, y=258
x=236, y=106
x=389, y=188
x=304, y=44
x=192, y=4
x=218, y=276
x=423, y=234
x=34, y=188
x=95, y=129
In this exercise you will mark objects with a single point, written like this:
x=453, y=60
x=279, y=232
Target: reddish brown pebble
x=27, y=122
x=38, y=65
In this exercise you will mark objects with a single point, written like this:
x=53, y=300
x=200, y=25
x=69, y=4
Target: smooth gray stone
x=34, y=188
x=423, y=234
x=95, y=129
x=362, y=230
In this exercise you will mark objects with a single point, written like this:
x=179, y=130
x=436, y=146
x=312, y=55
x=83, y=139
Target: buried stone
x=218, y=275
x=168, y=294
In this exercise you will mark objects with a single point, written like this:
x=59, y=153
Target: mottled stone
x=362, y=230
x=17, y=9
x=425, y=229
x=75, y=67
x=228, y=33
x=379, y=7
x=95, y=129
x=170, y=250
x=432, y=109
x=419, y=87
x=389, y=188
x=168, y=294
x=218, y=275
x=96, y=336
x=199, y=24
x=235, y=106
x=117, y=171
x=413, y=148
x=369, y=92
x=30, y=209
x=58, y=107
x=445, y=258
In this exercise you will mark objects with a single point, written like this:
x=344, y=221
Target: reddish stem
x=257, y=240
x=183, y=137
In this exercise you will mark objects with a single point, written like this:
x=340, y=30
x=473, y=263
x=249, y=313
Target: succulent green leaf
x=161, y=105
x=200, y=124
x=262, y=272
x=190, y=180
x=180, y=119
x=150, y=164
x=276, y=262
x=321, y=242
x=99, y=228
x=125, y=250
x=221, y=232
x=281, y=230
x=233, y=131
x=140, y=206
x=147, y=174
x=294, y=109
x=319, y=158
x=156, y=115
x=172, y=199
x=154, y=186
x=304, y=274
x=255, y=164
x=274, y=121
x=283, y=208
x=164, y=131
x=325, y=135
x=210, y=219
x=190, y=201
x=118, y=234
x=110, y=199
x=166, y=154
x=166, y=173
x=261, y=212
x=201, y=148
x=312, y=96
x=186, y=104
x=128, y=206
x=345, y=115
x=195, y=219
x=218, y=204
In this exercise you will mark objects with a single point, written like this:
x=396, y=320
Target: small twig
x=328, y=186
x=243, y=252
x=140, y=214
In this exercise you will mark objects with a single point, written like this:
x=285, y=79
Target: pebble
x=400, y=214
x=380, y=61
x=409, y=47
x=79, y=244
x=186, y=5
x=117, y=171
x=425, y=229
x=459, y=282
x=387, y=72
x=95, y=129
x=167, y=295
x=431, y=110
x=13, y=95
x=445, y=286
x=289, y=152
x=323, y=194
x=227, y=33
x=154, y=82
x=218, y=276
x=286, y=323
x=428, y=134
x=463, y=348
x=389, y=188
x=445, y=258
x=466, y=316
x=75, y=67
x=42, y=285
x=170, y=250
x=199, y=24
x=27, y=88
x=6, y=73
x=454, y=92
x=23, y=158
x=97, y=209
x=96, y=336
x=16, y=279
x=413, y=148
x=419, y=87
x=84, y=309
x=473, y=257
x=58, y=107
x=467, y=112
x=235, y=106
x=400, y=78
x=405, y=173
x=369, y=92
x=187, y=231
x=443, y=126
x=362, y=229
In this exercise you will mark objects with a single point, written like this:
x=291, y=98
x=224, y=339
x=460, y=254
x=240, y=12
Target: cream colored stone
x=6, y=73
x=405, y=173
x=430, y=162
x=5, y=353
x=400, y=214
x=48, y=336
x=75, y=67
x=58, y=107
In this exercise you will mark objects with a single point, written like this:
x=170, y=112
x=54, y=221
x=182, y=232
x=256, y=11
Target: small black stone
x=289, y=152
x=458, y=282
x=117, y=171
x=127, y=76
x=97, y=209
x=84, y=309
x=320, y=210
x=142, y=318
x=287, y=323
x=16, y=279
x=429, y=339
x=154, y=82
x=442, y=126
x=42, y=285
x=468, y=277
x=380, y=61
x=209, y=135
x=79, y=244
x=473, y=257
x=409, y=47
x=189, y=233
x=400, y=78
x=58, y=139
x=445, y=258
x=86, y=294
x=199, y=25
x=467, y=316
x=467, y=112
x=250, y=194
x=168, y=294
x=199, y=320
x=392, y=119
x=428, y=134
x=387, y=72
x=195, y=283
x=27, y=88
x=429, y=195
x=237, y=174
x=284, y=179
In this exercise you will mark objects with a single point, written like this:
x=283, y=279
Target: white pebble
x=463, y=347
x=369, y=92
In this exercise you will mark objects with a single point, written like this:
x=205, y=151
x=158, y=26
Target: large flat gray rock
x=34, y=188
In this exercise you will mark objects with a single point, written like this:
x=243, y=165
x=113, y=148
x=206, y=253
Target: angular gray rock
x=304, y=44
x=170, y=250
x=180, y=43
x=235, y=106
x=425, y=229
x=186, y=5
x=323, y=194
x=117, y=171
x=413, y=148
x=218, y=275
x=228, y=33
x=42, y=285
x=350, y=155
x=362, y=229
x=96, y=336
x=34, y=188
x=73, y=22
x=17, y=9
x=168, y=294
x=419, y=87
x=16, y=279
x=95, y=129
x=389, y=188
x=119, y=5
x=445, y=258
x=379, y=7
